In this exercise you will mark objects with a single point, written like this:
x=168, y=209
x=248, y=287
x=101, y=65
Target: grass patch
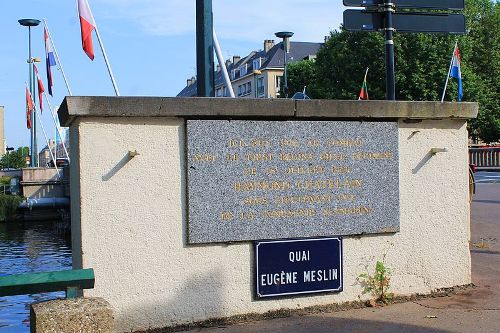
x=8, y=205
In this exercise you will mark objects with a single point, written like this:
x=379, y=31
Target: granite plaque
x=253, y=180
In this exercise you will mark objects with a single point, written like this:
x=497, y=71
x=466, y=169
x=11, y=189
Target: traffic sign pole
x=390, y=75
x=204, y=49
x=380, y=15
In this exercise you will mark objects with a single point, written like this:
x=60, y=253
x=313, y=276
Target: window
x=260, y=86
x=235, y=74
x=257, y=63
x=225, y=92
x=244, y=89
x=278, y=81
x=218, y=92
x=243, y=70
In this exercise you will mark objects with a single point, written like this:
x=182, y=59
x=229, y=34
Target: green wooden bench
x=71, y=281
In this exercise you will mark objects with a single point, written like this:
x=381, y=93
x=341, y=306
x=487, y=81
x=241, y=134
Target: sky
x=151, y=46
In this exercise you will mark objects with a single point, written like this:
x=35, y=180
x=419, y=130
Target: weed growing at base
x=377, y=284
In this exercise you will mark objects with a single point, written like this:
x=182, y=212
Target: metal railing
x=71, y=281
x=487, y=157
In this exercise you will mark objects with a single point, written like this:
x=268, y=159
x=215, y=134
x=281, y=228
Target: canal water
x=26, y=248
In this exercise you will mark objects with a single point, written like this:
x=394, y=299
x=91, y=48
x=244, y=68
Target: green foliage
x=5, y=180
x=422, y=63
x=377, y=284
x=8, y=205
x=303, y=74
x=15, y=159
x=342, y=61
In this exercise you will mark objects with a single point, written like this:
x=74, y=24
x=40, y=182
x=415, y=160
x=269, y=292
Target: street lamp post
x=285, y=35
x=34, y=148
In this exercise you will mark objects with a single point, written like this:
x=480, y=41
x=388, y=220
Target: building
x=44, y=157
x=258, y=75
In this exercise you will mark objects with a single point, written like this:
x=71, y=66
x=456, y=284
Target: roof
x=272, y=59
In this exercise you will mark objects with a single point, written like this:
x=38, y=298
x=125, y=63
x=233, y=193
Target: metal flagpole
x=222, y=64
x=55, y=124
x=105, y=56
x=57, y=57
x=449, y=71
x=47, y=140
x=55, y=139
x=366, y=75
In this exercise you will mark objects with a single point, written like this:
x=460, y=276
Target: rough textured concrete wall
x=133, y=225
x=42, y=183
x=74, y=171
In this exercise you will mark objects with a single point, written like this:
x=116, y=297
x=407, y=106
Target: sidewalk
x=474, y=310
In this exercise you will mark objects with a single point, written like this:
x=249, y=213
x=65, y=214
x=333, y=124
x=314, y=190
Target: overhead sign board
x=428, y=4
x=361, y=20
x=304, y=266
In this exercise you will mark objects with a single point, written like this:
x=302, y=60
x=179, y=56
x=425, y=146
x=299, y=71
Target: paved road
x=487, y=177
x=474, y=310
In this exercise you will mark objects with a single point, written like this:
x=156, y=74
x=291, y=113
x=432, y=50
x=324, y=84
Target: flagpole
x=222, y=64
x=55, y=139
x=104, y=54
x=57, y=57
x=47, y=140
x=449, y=71
x=107, y=61
x=366, y=75
x=55, y=124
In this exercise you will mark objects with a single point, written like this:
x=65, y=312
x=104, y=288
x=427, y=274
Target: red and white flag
x=41, y=89
x=87, y=25
x=29, y=107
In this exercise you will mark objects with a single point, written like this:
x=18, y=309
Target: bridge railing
x=485, y=157
x=70, y=281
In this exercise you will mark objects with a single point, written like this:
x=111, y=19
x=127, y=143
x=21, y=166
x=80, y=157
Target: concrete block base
x=82, y=315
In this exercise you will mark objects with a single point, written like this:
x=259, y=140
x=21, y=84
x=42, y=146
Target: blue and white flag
x=456, y=72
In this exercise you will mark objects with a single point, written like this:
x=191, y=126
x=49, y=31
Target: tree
x=15, y=159
x=342, y=61
x=303, y=74
x=483, y=57
x=422, y=62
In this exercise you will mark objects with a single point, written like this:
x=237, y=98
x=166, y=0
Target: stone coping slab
x=72, y=316
x=104, y=106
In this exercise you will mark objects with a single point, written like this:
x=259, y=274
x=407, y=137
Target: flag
x=29, y=107
x=456, y=71
x=363, y=95
x=87, y=25
x=49, y=60
x=41, y=89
